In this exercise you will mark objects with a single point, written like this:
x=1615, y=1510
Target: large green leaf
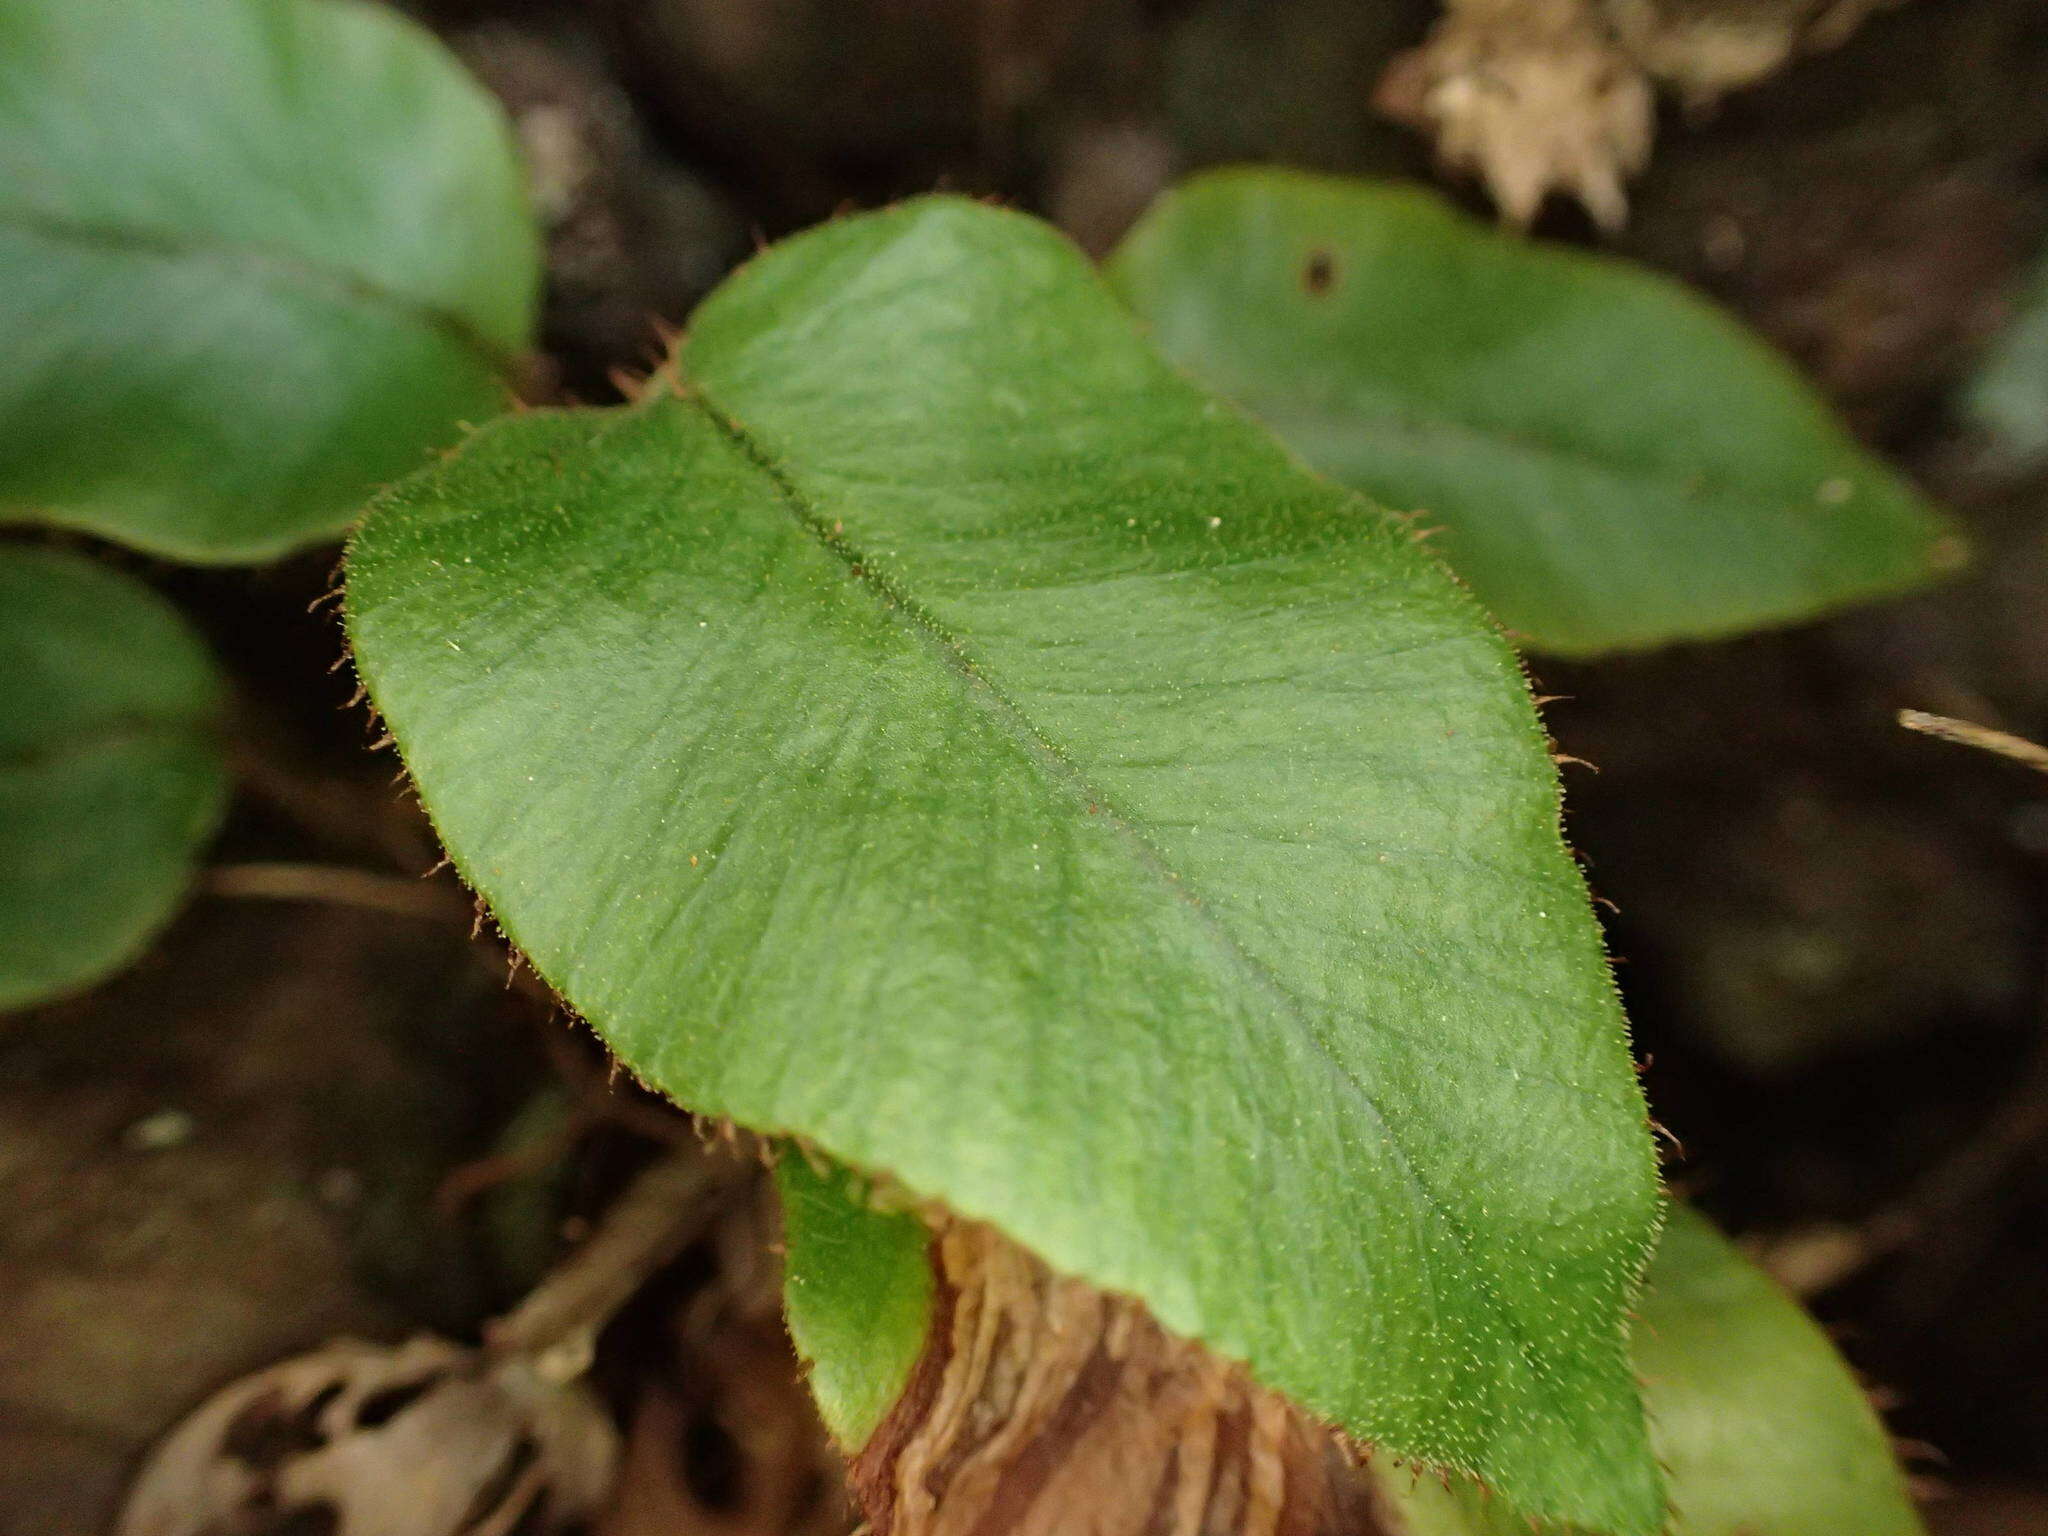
x=1612, y=461
x=939, y=730
x=1759, y=1425
x=111, y=774
x=257, y=257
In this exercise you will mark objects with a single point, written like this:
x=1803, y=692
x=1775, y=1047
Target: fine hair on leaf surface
x=932, y=727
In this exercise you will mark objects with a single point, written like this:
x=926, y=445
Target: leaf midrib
x=290, y=267
x=1061, y=767
x=1691, y=488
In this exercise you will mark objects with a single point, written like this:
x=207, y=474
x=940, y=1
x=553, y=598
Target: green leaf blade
x=1612, y=462
x=259, y=257
x=111, y=770
x=999, y=764
x=859, y=1285
x=1760, y=1422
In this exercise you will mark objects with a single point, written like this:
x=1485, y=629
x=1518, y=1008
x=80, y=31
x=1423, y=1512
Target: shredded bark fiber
x=1044, y=1407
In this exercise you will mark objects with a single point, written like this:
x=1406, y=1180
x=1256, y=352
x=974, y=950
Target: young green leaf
x=1612, y=462
x=859, y=1288
x=939, y=730
x=257, y=257
x=1757, y=1422
x=111, y=775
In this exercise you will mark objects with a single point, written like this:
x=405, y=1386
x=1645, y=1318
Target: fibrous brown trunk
x=1045, y=1407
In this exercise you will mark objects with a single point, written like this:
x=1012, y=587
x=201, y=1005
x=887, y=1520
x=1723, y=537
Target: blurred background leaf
x=2007, y=399
x=257, y=257
x=111, y=772
x=1759, y=1424
x=1612, y=462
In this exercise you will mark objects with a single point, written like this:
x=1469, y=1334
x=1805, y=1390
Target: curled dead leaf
x=1534, y=98
x=425, y=1439
x=1543, y=96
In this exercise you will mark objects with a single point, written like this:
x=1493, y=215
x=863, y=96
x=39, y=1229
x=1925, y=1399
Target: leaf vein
x=1022, y=727
x=288, y=267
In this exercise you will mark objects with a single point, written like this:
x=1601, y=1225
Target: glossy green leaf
x=859, y=1289
x=941, y=731
x=111, y=775
x=1758, y=1423
x=257, y=257
x=1611, y=461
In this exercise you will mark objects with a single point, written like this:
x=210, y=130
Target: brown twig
x=598, y=1093
x=1816, y=1259
x=1962, y=732
x=338, y=884
x=657, y=1216
x=479, y=1176
x=341, y=814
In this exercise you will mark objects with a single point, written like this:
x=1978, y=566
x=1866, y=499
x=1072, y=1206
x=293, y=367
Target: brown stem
x=338, y=884
x=648, y=1225
x=1043, y=1406
x=340, y=814
x=1963, y=733
x=1816, y=1259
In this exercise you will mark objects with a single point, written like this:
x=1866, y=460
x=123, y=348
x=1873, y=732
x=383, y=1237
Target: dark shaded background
x=1830, y=933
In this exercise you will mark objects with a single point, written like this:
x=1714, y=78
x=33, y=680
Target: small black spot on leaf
x=1319, y=274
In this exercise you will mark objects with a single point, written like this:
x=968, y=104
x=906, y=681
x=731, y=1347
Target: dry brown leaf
x=1543, y=96
x=425, y=1439
x=1534, y=97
